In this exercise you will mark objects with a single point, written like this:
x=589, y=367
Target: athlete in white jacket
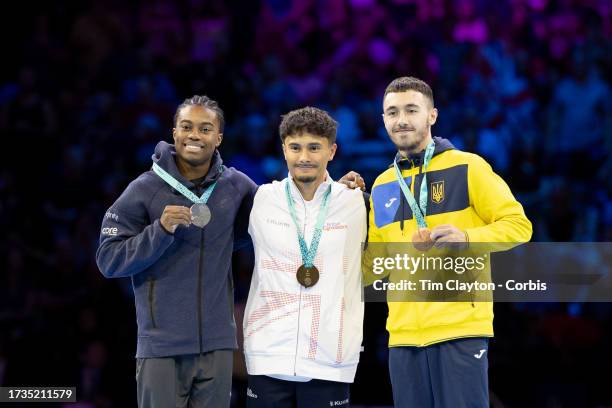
x=304, y=315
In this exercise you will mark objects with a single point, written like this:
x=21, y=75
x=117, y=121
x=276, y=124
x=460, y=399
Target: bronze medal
x=307, y=276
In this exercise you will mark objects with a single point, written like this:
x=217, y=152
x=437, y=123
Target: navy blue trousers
x=449, y=374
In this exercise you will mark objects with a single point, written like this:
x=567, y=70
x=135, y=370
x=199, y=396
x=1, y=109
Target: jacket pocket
x=151, y=299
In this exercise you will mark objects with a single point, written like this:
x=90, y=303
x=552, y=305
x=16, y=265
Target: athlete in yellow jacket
x=438, y=350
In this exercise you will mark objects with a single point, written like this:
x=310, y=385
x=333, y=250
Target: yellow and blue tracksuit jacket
x=468, y=195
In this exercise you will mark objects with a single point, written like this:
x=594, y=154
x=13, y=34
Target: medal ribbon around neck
x=178, y=186
x=419, y=211
x=200, y=213
x=308, y=254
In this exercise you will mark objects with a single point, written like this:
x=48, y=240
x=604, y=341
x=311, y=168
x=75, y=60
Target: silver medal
x=200, y=214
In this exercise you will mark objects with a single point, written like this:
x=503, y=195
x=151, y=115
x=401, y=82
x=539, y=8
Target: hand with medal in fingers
x=441, y=236
x=173, y=216
x=449, y=236
x=200, y=215
x=421, y=239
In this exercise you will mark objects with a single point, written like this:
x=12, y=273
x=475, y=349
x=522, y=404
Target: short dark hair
x=311, y=120
x=403, y=84
x=205, y=102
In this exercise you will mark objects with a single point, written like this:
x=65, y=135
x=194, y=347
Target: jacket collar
x=416, y=159
x=295, y=192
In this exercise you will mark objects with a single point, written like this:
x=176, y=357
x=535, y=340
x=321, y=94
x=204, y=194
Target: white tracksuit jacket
x=290, y=331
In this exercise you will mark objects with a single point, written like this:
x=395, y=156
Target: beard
x=410, y=144
x=306, y=179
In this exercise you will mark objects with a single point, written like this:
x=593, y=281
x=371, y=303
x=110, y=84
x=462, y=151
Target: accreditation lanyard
x=419, y=211
x=178, y=186
x=308, y=254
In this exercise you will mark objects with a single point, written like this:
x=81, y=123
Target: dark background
x=88, y=88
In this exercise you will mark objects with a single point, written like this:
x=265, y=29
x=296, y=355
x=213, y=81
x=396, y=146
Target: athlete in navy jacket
x=181, y=274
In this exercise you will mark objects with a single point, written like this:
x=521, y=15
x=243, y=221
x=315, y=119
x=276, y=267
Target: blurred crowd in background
x=88, y=88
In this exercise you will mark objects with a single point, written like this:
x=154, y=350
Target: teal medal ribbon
x=419, y=211
x=200, y=212
x=308, y=274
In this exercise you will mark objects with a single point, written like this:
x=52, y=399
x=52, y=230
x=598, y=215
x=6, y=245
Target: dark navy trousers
x=268, y=392
x=449, y=374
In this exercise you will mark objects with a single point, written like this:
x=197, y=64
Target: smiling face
x=408, y=117
x=196, y=135
x=307, y=156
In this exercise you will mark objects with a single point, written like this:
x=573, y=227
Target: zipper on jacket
x=230, y=298
x=412, y=188
x=151, y=300
x=297, y=336
x=403, y=199
x=402, y=210
x=200, y=288
x=402, y=204
x=472, y=295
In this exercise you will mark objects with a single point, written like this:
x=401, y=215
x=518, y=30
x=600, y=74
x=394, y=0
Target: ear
x=174, y=134
x=333, y=151
x=284, y=151
x=433, y=116
x=219, y=139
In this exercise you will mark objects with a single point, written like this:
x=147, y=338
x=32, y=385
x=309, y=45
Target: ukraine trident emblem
x=437, y=191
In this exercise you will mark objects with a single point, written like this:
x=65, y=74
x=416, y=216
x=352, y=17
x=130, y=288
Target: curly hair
x=309, y=119
x=403, y=84
x=205, y=102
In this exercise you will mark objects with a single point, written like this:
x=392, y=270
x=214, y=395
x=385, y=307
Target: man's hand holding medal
x=442, y=235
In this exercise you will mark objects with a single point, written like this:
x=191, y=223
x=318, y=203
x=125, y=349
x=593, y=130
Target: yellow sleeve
x=374, y=234
x=494, y=203
x=372, y=251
